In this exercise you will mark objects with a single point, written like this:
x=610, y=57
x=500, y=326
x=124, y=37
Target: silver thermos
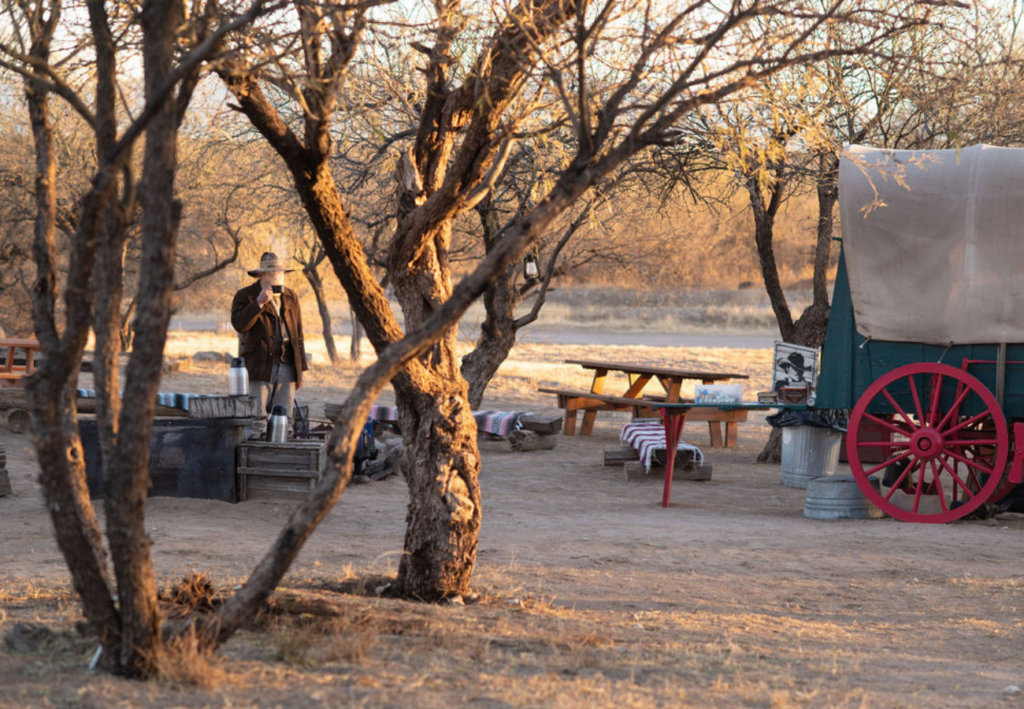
x=277, y=428
x=238, y=379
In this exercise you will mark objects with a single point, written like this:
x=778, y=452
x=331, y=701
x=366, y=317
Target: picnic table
x=674, y=417
x=638, y=375
x=13, y=368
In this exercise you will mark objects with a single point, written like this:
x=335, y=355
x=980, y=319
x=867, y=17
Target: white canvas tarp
x=934, y=243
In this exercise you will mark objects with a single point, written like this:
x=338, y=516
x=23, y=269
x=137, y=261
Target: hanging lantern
x=530, y=271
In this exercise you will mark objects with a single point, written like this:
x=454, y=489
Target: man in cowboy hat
x=269, y=320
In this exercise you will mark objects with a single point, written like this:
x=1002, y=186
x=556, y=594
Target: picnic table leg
x=569, y=427
x=589, y=417
x=715, y=429
x=732, y=434
x=674, y=421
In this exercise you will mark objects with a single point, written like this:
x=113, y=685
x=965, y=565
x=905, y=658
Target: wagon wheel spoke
x=886, y=464
x=968, y=442
x=884, y=444
x=893, y=403
x=898, y=485
x=938, y=485
x=935, y=393
x=961, y=394
x=919, y=488
x=965, y=461
x=916, y=398
x=888, y=424
x=968, y=422
x=956, y=478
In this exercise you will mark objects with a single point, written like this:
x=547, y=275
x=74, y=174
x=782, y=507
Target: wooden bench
x=571, y=401
x=17, y=359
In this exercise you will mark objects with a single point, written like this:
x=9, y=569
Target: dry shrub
x=193, y=593
x=182, y=661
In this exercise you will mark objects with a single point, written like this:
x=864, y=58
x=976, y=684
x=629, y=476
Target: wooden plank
x=276, y=495
x=546, y=425
x=278, y=472
x=294, y=455
x=617, y=455
x=13, y=398
x=522, y=441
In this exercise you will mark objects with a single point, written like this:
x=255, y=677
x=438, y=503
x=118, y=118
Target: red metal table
x=674, y=417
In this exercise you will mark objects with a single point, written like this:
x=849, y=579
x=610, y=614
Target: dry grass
x=182, y=662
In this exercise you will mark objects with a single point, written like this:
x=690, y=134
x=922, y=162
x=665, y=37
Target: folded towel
x=489, y=423
x=649, y=437
x=497, y=423
x=384, y=413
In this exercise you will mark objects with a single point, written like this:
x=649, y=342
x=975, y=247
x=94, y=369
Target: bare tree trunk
x=355, y=350
x=764, y=236
x=809, y=330
x=497, y=337
x=317, y=284
x=51, y=389
x=813, y=323
x=440, y=459
x=128, y=473
x=498, y=330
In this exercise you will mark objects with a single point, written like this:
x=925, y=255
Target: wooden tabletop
x=13, y=342
x=629, y=368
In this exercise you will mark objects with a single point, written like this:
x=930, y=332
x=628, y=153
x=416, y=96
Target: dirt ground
x=591, y=594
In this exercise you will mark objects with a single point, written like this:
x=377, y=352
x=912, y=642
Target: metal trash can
x=838, y=497
x=808, y=452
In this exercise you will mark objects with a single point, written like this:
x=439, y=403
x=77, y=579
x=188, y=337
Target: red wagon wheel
x=941, y=462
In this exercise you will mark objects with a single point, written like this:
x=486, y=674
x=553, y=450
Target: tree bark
x=496, y=340
x=317, y=284
x=355, y=350
x=440, y=459
x=128, y=473
x=51, y=389
x=498, y=330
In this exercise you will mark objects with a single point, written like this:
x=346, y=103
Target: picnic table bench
x=595, y=400
x=14, y=366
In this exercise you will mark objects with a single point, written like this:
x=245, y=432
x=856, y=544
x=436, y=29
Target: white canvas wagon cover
x=934, y=243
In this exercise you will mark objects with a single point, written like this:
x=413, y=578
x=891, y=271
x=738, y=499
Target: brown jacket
x=259, y=331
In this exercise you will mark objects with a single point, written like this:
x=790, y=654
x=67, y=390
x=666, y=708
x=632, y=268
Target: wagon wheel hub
x=926, y=443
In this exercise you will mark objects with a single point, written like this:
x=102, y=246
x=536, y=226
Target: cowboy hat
x=269, y=263
x=795, y=360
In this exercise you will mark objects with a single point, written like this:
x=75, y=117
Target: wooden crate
x=279, y=471
x=222, y=407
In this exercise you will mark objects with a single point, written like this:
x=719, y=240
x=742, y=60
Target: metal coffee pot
x=277, y=427
x=238, y=378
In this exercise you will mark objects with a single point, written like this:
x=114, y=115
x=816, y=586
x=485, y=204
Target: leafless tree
x=127, y=621
x=537, y=62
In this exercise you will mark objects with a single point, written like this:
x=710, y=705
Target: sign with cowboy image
x=795, y=366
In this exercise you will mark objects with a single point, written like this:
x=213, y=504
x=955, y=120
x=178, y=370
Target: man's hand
x=298, y=385
x=264, y=296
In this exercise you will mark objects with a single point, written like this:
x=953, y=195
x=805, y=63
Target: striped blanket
x=174, y=401
x=649, y=437
x=488, y=423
